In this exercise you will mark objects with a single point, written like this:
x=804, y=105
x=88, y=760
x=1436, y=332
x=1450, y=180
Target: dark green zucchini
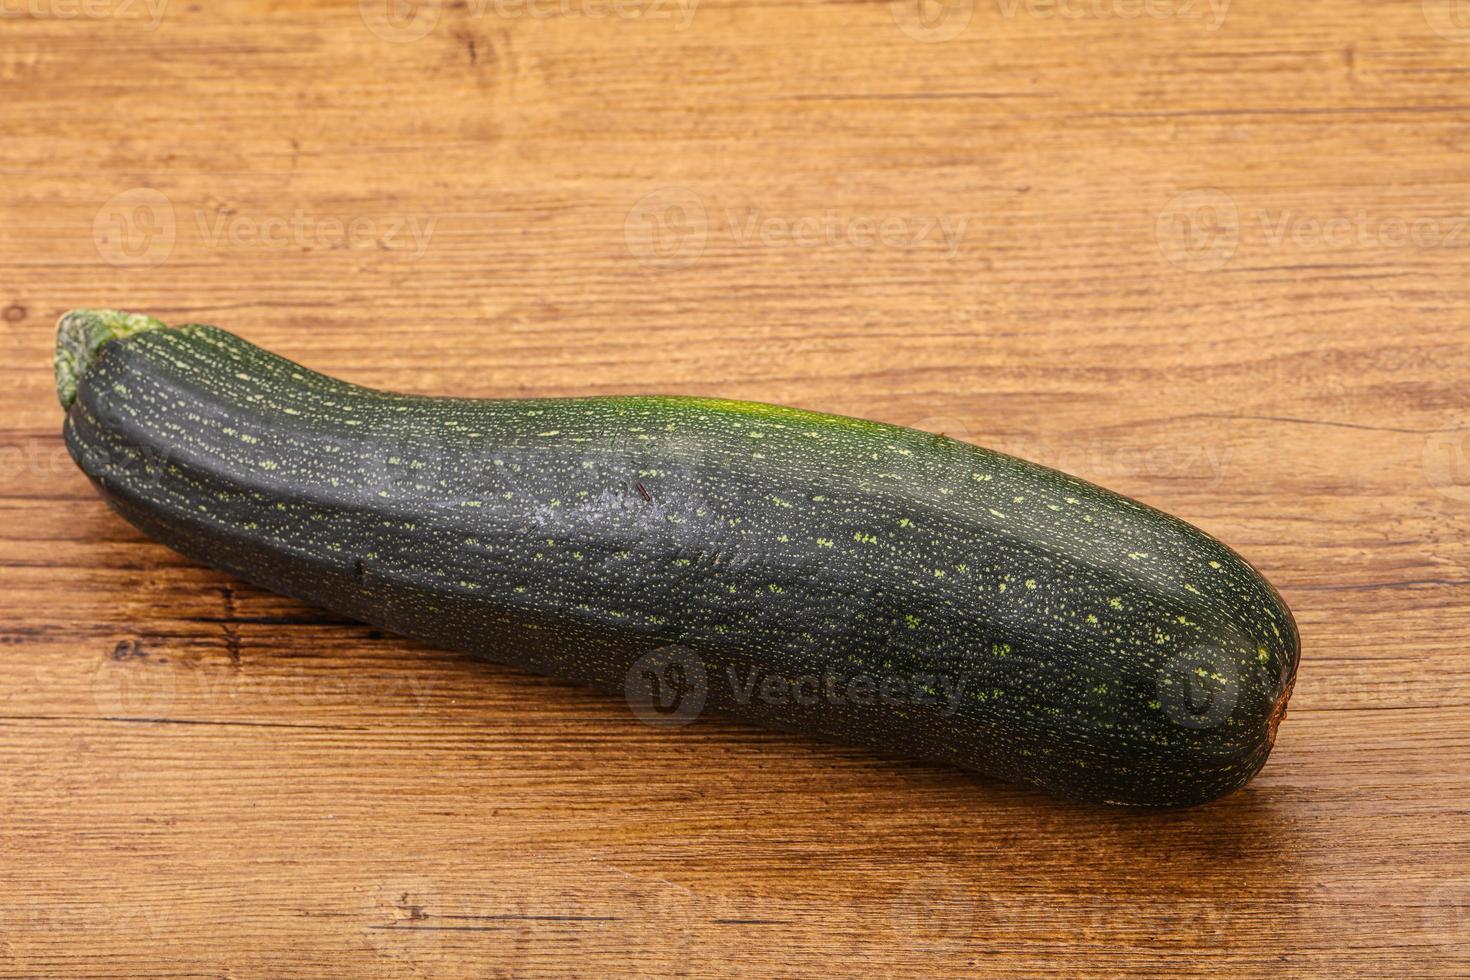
x=863, y=582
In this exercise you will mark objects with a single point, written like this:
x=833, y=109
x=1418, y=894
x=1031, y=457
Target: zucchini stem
x=81, y=334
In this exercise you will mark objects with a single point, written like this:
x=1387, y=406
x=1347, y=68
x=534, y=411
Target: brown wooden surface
x=1216, y=264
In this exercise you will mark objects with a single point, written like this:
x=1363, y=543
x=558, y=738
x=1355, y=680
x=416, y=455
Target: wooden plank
x=1212, y=256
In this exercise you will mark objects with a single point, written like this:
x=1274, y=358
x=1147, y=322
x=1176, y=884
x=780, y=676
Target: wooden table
x=1214, y=257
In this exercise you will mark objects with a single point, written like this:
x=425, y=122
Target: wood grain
x=1216, y=262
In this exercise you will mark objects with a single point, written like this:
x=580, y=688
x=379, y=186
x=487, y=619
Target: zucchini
x=862, y=582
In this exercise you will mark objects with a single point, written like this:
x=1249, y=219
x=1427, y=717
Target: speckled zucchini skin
x=863, y=582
